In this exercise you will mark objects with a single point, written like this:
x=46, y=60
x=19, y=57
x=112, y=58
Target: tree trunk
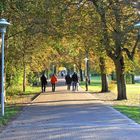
x=121, y=83
x=24, y=78
x=81, y=74
x=88, y=71
x=38, y=77
x=104, y=83
x=47, y=71
x=103, y=75
x=133, y=78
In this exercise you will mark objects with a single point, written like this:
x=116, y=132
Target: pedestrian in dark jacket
x=43, y=83
x=74, y=81
x=68, y=81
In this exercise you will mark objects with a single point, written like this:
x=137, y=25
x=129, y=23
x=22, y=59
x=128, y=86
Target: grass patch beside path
x=133, y=92
x=10, y=112
x=14, y=97
x=16, y=100
x=133, y=112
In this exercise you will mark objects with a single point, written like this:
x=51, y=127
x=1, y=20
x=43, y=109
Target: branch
x=19, y=32
x=135, y=46
x=131, y=54
x=128, y=53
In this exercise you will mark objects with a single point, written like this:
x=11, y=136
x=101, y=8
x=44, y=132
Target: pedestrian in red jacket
x=53, y=82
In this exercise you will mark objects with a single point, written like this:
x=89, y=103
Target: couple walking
x=44, y=82
x=72, y=81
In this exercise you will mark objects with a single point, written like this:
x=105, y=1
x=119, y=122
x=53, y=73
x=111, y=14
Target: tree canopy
x=64, y=32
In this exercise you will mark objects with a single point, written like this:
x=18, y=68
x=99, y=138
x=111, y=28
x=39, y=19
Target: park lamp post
x=3, y=25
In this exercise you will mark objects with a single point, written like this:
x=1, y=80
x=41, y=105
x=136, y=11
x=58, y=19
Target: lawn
x=133, y=91
x=132, y=112
x=95, y=85
x=16, y=96
x=10, y=112
x=15, y=102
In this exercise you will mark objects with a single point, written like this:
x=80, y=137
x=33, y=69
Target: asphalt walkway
x=64, y=115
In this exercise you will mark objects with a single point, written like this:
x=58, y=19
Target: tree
x=117, y=26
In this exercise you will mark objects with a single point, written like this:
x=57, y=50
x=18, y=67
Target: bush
x=14, y=90
x=33, y=79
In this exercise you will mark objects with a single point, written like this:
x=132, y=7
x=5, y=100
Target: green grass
x=133, y=88
x=10, y=112
x=95, y=85
x=16, y=96
x=132, y=112
x=16, y=90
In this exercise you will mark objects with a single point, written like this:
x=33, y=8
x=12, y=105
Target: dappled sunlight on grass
x=133, y=92
x=19, y=97
x=133, y=95
x=32, y=90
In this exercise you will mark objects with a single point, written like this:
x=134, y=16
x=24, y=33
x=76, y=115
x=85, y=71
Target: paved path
x=70, y=116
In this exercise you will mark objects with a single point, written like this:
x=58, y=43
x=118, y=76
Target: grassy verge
x=132, y=112
x=15, y=101
x=10, y=112
x=133, y=92
x=19, y=97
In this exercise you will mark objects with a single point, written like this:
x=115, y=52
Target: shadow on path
x=70, y=116
x=71, y=122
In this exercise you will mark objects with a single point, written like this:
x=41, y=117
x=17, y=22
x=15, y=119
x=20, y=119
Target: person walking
x=43, y=83
x=68, y=81
x=53, y=82
x=74, y=81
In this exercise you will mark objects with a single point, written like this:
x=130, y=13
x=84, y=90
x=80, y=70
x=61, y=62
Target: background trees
x=46, y=33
